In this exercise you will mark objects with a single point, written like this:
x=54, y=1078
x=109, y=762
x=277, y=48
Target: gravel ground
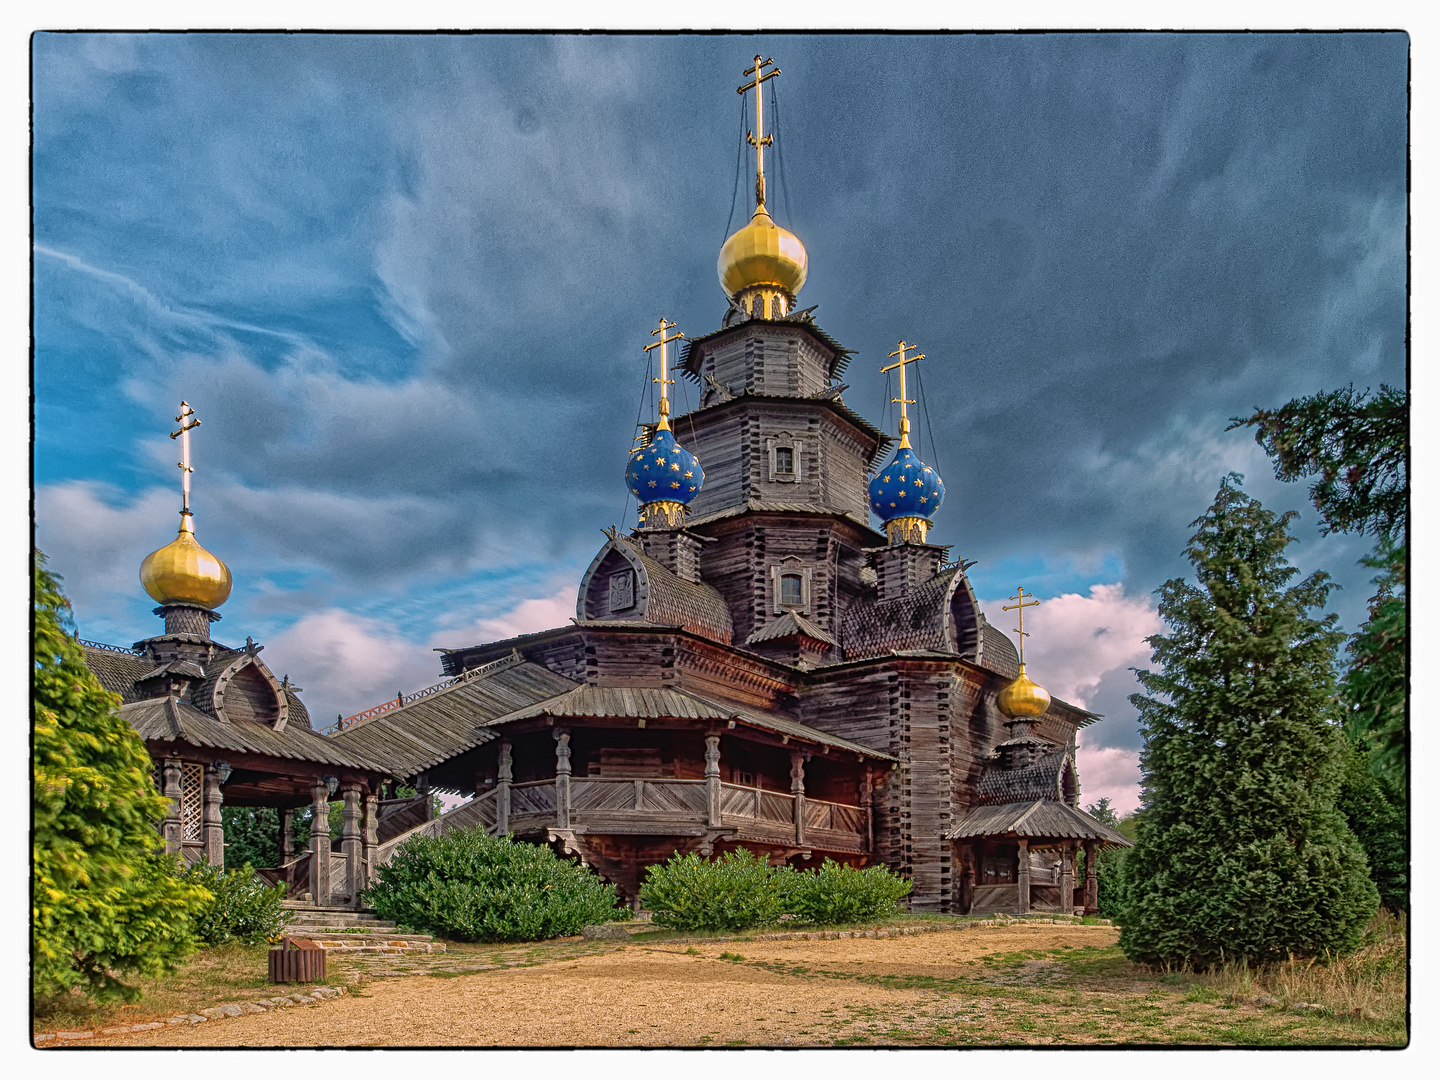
x=637, y=995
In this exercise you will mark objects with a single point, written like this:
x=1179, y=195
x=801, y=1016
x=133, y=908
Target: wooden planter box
x=297, y=960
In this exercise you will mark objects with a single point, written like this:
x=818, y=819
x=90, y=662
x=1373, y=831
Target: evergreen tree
x=1240, y=851
x=1375, y=812
x=107, y=901
x=1374, y=690
x=252, y=835
x=1110, y=862
x=1357, y=448
x=1355, y=445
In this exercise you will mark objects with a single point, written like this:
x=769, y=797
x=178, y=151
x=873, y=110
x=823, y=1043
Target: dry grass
x=1368, y=984
x=210, y=977
x=1018, y=984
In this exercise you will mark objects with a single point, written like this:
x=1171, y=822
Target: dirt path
x=1022, y=984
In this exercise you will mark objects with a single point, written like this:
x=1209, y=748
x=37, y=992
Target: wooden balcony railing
x=617, y=804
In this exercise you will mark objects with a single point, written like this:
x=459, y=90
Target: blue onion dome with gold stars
x=906, y=487
x=664, y=471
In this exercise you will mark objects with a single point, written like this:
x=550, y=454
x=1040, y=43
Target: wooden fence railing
x=479, y=811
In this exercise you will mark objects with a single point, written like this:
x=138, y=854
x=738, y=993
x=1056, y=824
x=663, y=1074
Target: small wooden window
x=792, y=590
x=784, y=460
x=998, y=871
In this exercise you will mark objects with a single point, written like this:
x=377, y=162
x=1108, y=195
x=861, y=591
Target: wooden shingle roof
x=435, y=728
x=667, y=703
x=914, y=620
x=1040, y=819
x=789, y=625
x=116, y=670
x=168, y=719
x=690, y=605
x=1041, y=779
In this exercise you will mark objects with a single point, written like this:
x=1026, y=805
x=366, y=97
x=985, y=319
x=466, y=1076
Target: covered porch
x=624, y=777
x=204, y=764
x=1018, y=858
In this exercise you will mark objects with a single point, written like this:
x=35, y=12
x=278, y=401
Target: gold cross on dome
x=1019, y=608
x=186, y=424
x=758, y=138
x=663, y=380
x=902, y=400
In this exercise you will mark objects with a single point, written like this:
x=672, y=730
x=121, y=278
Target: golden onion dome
x=1023, y=697
x=183, y=572
x=762, y=253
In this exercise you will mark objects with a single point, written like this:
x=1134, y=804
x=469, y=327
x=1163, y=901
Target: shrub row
x=467, y=886
x=740, y=890
x=241, y=906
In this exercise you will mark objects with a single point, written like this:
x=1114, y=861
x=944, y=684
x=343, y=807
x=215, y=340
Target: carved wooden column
x=504, y=773
x=1022, y=875
x=712, y=780
x=320, y=845
x=287, y=836
x=351, y=844
x=562, y=778
x=170, y=829
x=422, y=787
x=797, y=788
x=1067, y=878
x=966, y=854
x=1092, y=882
x=370, y=829
x=212, y=825
x=867, y=802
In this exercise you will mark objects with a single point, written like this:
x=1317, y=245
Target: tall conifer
x=1241, y=852
x=106, y=902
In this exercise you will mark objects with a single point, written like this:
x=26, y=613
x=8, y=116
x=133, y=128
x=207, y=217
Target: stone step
x=334, y=918
x=342, y=938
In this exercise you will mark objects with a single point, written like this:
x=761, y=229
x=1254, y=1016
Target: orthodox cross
x=1019, y=608
x=902, y=399
x=662, y=380
x=186, y=423
x=758, y=138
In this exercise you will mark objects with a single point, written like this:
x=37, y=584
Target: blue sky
x=404, y=280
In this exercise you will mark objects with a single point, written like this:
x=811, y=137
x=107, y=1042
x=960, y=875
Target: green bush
x=104, y=903
x=243, y=907
x=841, y=894
x=467, y=886
x=734, y=892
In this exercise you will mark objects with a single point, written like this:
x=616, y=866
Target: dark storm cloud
x=408, y=278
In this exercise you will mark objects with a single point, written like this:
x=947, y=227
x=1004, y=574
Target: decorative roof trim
x=367, y=715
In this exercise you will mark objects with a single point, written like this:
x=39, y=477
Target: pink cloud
x=1075, y=641
x=528, y=616
x=1108, y=771
x=347, y=663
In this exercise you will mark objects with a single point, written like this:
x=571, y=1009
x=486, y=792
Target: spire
x=182, y=573
x=762, y=266
x=662, y=380
x=661, y=474
x=906, y=493
x=1023, y=700
x=902, y=399
x=1019, y=608
x=758, y=138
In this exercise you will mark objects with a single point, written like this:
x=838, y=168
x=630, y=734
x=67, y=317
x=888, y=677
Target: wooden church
x=755, y=665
